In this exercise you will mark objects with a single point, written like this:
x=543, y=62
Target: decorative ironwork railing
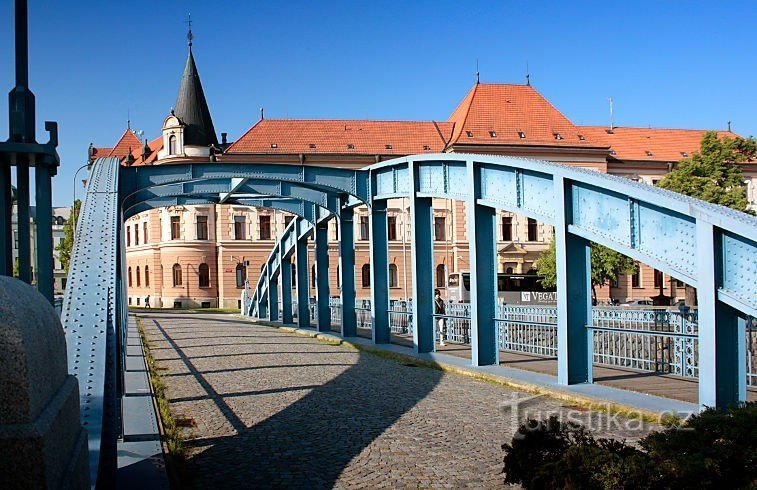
x=528, y=329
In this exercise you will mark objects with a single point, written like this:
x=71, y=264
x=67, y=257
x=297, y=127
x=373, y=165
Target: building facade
x=200, y=256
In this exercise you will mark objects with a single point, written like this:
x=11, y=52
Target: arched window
x=204, y=271
x=176, y=275
x=129, y=277
x=241, y=275
x=441, y=276
x=312, y=276
x=392, y=275
x=147, y=276
x=172, y=145
x=139, y=278
x=365, y=272
x=128, y=236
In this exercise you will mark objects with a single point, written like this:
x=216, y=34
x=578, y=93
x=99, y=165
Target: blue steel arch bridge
x=709, y=247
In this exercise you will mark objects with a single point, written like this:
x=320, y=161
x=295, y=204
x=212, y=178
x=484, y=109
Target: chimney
x=223, y=138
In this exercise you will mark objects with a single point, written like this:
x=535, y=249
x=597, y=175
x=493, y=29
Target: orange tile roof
x=155, y=146
x=360, y=137
x=128, y=142
x=494, y=114
x=100, y=152
x=651, y=144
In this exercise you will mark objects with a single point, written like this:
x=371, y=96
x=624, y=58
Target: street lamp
x=73, y=208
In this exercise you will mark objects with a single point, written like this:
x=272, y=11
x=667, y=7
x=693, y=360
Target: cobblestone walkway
x=273, y=409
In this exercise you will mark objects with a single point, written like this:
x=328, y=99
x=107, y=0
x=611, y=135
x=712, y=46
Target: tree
x=606, y=266
x=67, y=244
x=712, y=174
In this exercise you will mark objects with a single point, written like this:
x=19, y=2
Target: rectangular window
x=202, y=227
x=336, y=231
x=440, y=231
x=507, y=228
x=128, y=237
x=136, y=234
x=144, y=231
x=636, y=277
x=239, y=227
x=364, y=227
x=533, y=230
x=391, y=227
x=175, y=227
x=265, y=227
x=287, y=220
x=658, y=278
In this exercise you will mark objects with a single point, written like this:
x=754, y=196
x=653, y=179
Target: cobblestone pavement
x=274, y=409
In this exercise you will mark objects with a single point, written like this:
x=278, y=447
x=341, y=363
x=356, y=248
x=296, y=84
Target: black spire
x=192, y=109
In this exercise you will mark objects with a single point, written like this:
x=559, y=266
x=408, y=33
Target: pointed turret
x=192, y=108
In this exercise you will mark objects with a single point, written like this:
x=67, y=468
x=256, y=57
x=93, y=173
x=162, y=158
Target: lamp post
x=73, y=208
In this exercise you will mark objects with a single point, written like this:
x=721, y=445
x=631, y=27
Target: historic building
x=201, y=255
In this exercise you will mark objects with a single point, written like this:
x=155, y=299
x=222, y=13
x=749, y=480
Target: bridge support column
x=347, y=271
x=379, y=273
x=322, y=276
x=263, y=300
x=6, y=235
x=286, y=290
x=422, y=263
x=273, y=295
x=483, y=267
x=44, y=229
x=303, y=286
x=22, y=210
x=722, y=331
x=573, y=257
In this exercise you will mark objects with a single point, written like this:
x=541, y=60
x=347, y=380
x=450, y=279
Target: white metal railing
x=529, y=329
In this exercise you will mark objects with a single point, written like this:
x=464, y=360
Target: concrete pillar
x=347, y=271
x=574, y=348
x=42, y=444
x=379, y=273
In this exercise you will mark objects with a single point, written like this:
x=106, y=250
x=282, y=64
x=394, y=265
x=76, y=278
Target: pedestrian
x=147, y=302
x=440, y=309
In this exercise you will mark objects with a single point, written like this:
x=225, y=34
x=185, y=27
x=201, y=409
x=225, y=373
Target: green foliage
x=711, y=174
x=15, y=268
x=606, y=266
x=714, y=448
x=64, y=247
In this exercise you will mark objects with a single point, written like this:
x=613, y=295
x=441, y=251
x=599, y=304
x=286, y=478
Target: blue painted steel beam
x=322, y=276
x=379, y=246
x=422, y=263
x=303, y=285
x=273, y=296
x=43, y=192
x=6, y=234
x=574, y=350
x=286, y=289
x=22, y=213
x=347, y=271
x=483, y=266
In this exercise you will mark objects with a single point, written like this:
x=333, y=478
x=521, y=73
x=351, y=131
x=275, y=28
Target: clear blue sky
x=666, y=64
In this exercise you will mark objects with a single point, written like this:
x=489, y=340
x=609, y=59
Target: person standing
x=147, y=302
x=440, y=309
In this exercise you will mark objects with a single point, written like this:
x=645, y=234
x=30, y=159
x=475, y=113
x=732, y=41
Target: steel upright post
x=379, y=273
x=6, y=235
x=22, y=213
x=303, y=285
x=574, y=350
x=322, y=276
x=273, y=295
x=422, y=263
x=347, y=272
x=286, y=289
x=263, y=299
x=483, y=267
x=722, y=331
x=45, y=267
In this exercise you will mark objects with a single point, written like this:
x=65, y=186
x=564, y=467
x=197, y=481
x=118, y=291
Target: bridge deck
x=664, y=385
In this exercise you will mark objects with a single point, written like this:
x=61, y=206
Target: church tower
x=188, y=131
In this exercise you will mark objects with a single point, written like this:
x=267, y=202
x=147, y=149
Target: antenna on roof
x=128, y=119
x=729, y=126
x=478, y=75
x=262, y=115
x=528, y=76
x=190, y=36
x=612, y=125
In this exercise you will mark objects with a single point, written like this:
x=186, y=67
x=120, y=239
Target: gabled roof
x=497, y=114
x=294, y=136
x=651, y=144
x=154, y=147
x=192, y=108
x=127, y=142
